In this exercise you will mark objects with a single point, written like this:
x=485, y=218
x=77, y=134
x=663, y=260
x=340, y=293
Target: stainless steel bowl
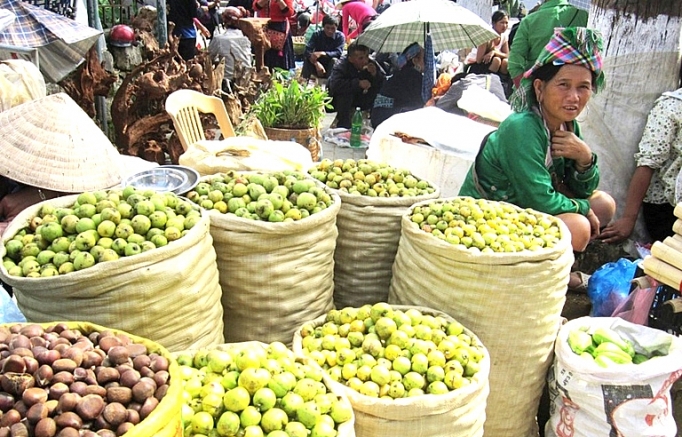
x=192, y=178
x=160, y=179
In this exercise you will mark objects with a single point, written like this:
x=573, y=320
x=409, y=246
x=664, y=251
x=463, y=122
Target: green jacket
x=515, y=167
x=535, y=31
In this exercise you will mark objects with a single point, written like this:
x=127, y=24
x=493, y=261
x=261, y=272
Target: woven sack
x=170, y=295
x=458, y=413
x=346, y=429
x=369, y=231
x=165, y=420
x=512, y=301
x=273, y=275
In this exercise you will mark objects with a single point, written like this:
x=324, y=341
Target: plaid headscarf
x=570, y=45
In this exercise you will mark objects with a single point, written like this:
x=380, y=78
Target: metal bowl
x=160, y=179
x=192, y=178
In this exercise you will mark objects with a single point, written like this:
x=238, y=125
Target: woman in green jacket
x=537, y=158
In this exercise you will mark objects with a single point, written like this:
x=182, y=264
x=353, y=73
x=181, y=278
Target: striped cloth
x=580, y=46
x=429, y=77
x=37, y=27
x=62, y=42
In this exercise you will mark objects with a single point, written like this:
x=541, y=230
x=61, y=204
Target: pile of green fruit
x=486, y=226
x=605, y=347
x=369, y=178
x=101, y=226
x=388, y=353
x=257, y=391
x=275, y=197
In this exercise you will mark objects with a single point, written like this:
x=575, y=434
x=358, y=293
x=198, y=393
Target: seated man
x=354, y=82
x=231, y=44
x=323, y=50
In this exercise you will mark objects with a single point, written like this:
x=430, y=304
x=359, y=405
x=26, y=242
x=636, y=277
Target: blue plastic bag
x=9, y=312
x=610, y=285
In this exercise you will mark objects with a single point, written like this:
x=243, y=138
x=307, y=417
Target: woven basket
x=308, y=138
x=299, y=45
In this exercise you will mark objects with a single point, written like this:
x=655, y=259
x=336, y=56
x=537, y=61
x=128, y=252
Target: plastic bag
x=9, y=312
x=623, y=400
x=609, y=286
x=635, y=308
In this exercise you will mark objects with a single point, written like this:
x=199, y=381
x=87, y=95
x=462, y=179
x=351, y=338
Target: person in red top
x=360, y=12
x=279, y=12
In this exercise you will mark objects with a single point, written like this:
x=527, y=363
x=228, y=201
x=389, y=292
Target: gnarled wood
x=90, y=79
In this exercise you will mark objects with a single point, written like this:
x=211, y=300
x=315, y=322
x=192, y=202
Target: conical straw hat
x=52, y=143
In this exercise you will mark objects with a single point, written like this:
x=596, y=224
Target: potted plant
x=290, y=111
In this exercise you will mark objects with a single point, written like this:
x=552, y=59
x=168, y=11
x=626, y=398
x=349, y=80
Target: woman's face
x=418, y=61
x=501, y=26
x=563, y=97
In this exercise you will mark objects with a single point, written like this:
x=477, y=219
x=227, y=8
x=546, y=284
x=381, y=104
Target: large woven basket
x=308, y=138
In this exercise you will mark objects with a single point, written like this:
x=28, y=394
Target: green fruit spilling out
x=388, y=353
x=277, y=197
x=257, y=391
x=486, y=226
x=118, y=223
x=369, y=178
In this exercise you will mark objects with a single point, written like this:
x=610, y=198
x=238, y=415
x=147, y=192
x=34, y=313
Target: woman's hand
x=618, y=230
x=594, y=224
x=567, y=145
x=488, y=57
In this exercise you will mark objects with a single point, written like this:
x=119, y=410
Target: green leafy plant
x=291, y=106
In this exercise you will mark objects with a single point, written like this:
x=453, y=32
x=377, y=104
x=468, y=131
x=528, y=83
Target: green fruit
x=60, y=244
x=51, y=231
x=159, y=240
x=250, y=416
x=296, y=429
x=86, y=198
x=264, y=399
x=13, y=248
x=202, y=423
x=83, y=260
x=141, y=224
x=273, y=420
x=106, y=228
x=237, y=399
x=85, y=211
x=145, y=207
x=132, y=249
x=119, y=245
x=108, y=255
x=172, y=233
x=306, y=201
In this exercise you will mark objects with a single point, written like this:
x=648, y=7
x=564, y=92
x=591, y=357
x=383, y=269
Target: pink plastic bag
x=635, y=308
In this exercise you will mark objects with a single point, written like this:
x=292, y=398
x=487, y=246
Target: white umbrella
x=581, y=4
x=6, y=18
x=451, y=27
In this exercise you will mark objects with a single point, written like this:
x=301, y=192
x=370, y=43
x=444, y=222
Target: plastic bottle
x=356, y=129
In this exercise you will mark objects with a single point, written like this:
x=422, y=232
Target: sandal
x=582, y=287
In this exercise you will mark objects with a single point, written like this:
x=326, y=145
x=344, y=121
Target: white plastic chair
x=184, y=107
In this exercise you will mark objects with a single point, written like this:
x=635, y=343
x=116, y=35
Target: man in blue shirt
x=183, y=13
x=323, y=50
